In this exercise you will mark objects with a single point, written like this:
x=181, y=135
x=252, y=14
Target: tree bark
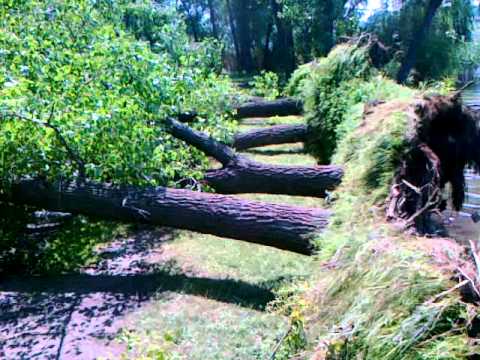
x=246, y=176
x=241, y=175
x=284, y=45
x=266, y=47
x=279, y=226
x=280, y=134
x=243, y=15
x=411, y=57
x=233, y=29
x=213, y=19
x=280, y=107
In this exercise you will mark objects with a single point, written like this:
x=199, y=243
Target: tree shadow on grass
x=78, y=315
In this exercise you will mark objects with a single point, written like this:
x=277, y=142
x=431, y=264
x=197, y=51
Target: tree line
x=278, y=35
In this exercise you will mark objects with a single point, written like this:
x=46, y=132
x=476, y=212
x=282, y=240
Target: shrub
x=267, y=84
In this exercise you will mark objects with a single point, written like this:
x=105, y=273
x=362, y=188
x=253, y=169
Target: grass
x=284, y=155
x=387, y=295
x=248, y=124
x=187, y=327
x=182, y=326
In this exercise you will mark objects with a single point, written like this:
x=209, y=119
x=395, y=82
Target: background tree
x=449, y=31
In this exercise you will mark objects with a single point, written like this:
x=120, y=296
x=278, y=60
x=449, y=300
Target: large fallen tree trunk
x=279, y=226
x=280, y=134
x=264, y=108
x=242, y=175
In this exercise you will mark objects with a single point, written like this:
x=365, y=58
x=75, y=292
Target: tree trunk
x=243, y=15
x=213, y=18
x=280, y=226
x=411, y=57
x=280, y=134
x=233, y=28
x=266, y=47
x=280, y=107
x=323, y=28
x=241, y=175
x=284, y=47
x=246, y=176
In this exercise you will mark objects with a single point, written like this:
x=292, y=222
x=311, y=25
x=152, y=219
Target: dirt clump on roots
x=442, y=140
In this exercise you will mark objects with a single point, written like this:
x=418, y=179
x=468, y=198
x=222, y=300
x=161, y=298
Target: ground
x=160, y=291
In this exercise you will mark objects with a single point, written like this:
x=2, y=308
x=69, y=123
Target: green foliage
x=386, y=297
x=335, y=90
x=327, y=95
x=384, y=302
x=296, y=82
x=99, y=76
x=73, y=64
x=267, y=84
x=440, y=53
x=319, y=24
x=141, y=350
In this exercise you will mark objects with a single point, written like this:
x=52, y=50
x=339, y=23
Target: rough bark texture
x=246, y=176
x=280, y=134
x=280, y=226
x=241, y=175
x=280, y=107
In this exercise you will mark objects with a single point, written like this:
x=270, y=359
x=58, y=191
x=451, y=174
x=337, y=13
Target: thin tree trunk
x=411, y=57
x=242, y=15
x=284, y=46
x=213, y=18
x=280, y=226
x=233, y=28
x=241, y=175
x=266, y=48
x=280, y=134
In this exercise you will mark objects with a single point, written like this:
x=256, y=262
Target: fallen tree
x=242, y=175
x=280, y=134
x=280, y=226
x=264, y=108
x=398, y=159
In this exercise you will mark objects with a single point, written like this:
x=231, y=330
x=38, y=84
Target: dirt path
x=210, y=292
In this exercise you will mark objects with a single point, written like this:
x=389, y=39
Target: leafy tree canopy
x=80, y=88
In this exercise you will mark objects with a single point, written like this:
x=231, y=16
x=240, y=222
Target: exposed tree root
x=443, y=140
